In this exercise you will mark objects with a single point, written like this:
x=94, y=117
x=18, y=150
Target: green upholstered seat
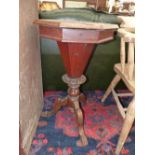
x=80, y=14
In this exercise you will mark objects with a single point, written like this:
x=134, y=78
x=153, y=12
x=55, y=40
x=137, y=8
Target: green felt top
x=80, y=14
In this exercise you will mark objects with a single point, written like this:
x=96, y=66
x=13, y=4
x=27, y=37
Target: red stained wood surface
x=75, y=57
x=77, y=35
x=76, y=41
x=51, y=33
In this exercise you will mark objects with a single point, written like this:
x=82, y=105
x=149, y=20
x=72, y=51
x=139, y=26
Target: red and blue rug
x=57, y=135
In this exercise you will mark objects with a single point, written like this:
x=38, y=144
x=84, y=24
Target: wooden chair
x=124, y=71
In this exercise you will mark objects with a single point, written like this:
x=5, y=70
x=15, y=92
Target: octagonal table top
x=77, y=32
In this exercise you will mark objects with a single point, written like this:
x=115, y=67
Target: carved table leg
x=73, y=100
x=57, y=106
x=83, y=141
x=74, y=96
x=82, y=99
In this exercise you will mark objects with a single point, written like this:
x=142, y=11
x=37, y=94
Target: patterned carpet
x=57, y=135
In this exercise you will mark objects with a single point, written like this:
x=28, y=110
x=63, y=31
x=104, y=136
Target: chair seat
x=130, y=83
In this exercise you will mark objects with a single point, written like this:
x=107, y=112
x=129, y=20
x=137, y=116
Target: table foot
x=82, y=142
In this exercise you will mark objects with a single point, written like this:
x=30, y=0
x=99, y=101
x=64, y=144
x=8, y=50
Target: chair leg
x=129, y=119
x=112, y=85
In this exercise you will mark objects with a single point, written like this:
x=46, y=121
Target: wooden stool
x=124, y=71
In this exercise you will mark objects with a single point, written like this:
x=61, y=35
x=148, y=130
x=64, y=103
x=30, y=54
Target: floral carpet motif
x=57, y=135
x=100, y=122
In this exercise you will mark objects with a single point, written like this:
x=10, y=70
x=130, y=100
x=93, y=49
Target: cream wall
x=31, y=92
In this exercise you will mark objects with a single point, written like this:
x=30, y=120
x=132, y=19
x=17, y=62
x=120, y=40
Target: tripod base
x=73, y=100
